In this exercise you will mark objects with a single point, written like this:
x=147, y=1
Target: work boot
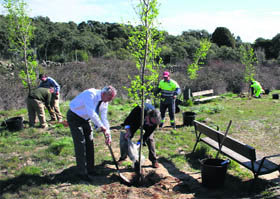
x=91, y=177
x=173, y=125
x=155, y=164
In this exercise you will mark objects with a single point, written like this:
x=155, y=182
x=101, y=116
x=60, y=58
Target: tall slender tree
x=20, y=31
x=248, y=59
x=144, y=45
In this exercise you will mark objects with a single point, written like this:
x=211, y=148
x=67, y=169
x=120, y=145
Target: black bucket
x=14, y=124
x=266, y=91
x=213, y=172
x=275, y=96
x=188, y=118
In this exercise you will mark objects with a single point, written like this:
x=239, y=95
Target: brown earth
x=164, y=182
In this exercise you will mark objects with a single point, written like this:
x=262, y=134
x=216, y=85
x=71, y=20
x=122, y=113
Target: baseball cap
x=165, y=74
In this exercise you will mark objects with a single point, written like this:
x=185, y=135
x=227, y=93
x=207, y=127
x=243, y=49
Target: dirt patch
x=167, y=181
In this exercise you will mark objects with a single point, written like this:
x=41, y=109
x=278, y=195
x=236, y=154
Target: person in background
x=47, y=82
x=133, y=122
x=256, y=88
x=168, y=89
x=36, y=102
x=90, y=105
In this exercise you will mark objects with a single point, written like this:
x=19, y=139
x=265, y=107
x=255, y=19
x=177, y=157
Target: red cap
x=165, y=74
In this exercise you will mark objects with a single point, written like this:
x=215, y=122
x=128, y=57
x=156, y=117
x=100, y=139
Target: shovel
x=123, y=178
x=222, y=142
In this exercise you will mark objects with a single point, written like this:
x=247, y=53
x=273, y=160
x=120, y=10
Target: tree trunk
x=26, y=68
x=142, y=91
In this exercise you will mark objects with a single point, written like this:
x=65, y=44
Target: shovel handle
x=112, y=153
x=113, y=156
x=221, y=144
x=124, y=179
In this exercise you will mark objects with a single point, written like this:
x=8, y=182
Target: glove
x=144, y=143
x=108, y=138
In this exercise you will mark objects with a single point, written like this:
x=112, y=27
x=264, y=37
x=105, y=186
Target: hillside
x=74, y=77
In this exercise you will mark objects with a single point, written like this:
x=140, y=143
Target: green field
x=37, y=163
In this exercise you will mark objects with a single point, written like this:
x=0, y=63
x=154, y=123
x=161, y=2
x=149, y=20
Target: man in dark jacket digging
x=133, y=122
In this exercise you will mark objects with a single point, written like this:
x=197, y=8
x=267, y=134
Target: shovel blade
x=124, y=179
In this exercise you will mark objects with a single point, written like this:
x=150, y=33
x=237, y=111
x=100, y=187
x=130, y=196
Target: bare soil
x=168, y=182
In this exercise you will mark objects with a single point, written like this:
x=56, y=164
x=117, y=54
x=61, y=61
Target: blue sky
x=249, y=19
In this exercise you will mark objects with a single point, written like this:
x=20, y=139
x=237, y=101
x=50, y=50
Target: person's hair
x=154, y=114
x=42, y=75
x=109, y=90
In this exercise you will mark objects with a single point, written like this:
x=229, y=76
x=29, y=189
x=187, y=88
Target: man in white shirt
x=87, y=106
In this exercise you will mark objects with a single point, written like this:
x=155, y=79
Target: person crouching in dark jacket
x=133, y=122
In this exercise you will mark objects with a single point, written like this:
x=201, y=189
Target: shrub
x=223, y=37
x=75, y=77
x=82, y=55
x=235, y=83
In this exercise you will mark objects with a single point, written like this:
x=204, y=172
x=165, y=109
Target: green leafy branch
x=143, y=44
x=248, y=59
x=200, y=54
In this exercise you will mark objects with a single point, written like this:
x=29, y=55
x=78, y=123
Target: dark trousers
x=171, y=110
x=83, y=142
x=152, y=148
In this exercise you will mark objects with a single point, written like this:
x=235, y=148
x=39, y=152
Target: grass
x=37, y=163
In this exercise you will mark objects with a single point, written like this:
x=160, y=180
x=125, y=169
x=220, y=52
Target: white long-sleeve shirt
x=84, y=105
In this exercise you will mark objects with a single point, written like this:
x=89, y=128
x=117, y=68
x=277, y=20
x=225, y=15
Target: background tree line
x=67, y=42
x=95, y=54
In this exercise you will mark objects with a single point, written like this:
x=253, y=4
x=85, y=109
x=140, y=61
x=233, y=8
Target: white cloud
x=66, y=10
x=249, y=26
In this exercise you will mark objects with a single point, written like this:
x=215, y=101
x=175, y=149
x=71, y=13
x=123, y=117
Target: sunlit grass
x=34, y=151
